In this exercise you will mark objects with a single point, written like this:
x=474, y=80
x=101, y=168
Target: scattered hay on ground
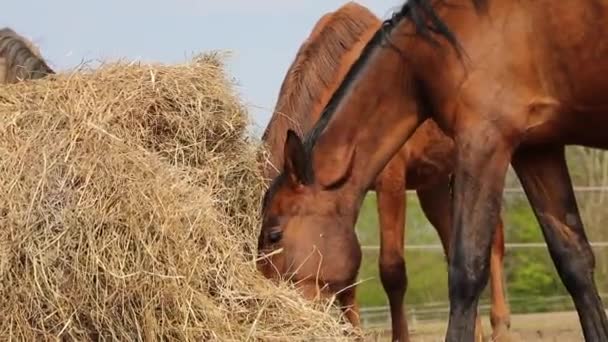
x=129, y=205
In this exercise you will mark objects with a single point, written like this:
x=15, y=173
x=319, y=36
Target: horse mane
x=314, y=71
x=22, y=60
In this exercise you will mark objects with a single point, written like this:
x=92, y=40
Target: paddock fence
x=527, y=264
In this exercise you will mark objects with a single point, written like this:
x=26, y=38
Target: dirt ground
x=556, y=326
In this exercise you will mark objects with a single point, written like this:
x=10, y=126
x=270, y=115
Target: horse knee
x=393, y=273
x=467, y=278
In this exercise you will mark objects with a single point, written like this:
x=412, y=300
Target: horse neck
x=376, y=114
x=384, y=99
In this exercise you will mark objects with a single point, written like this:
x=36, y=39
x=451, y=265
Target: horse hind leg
x=500, y=312
x=390, y=190
x=544, y=176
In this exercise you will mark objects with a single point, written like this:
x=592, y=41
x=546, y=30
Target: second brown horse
x=424, y=163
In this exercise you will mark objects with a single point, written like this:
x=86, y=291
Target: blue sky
x=262, y=35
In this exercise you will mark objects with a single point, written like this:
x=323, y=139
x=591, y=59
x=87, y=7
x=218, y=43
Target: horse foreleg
x=349, y=306
x=390, y=190
x=436, y=203
x=544, y=175
x=482, y=160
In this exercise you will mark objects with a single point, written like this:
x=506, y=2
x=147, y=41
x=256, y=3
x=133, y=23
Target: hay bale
x=129, y=208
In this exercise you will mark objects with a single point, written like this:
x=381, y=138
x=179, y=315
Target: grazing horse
x=510, y=82
x=425, y=161
x=20, y=59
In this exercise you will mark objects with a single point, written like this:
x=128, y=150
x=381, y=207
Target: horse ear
x=335, y=167
x=295, y=158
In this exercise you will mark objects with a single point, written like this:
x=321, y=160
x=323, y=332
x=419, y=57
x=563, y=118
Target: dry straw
x=129, y=211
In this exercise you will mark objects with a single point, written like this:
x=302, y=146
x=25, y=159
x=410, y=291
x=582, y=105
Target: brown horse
x=20, y=59
x=508, y=83
x=425, y=161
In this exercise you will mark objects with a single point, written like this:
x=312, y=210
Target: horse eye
x=275, y=235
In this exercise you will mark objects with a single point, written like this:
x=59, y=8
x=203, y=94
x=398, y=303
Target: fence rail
x=379, y=316
x=507, y=245
x=438, y=246
x=521, y=190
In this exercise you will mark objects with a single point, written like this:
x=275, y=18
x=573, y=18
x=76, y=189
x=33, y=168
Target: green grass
x=427, y=270
x=530, y=274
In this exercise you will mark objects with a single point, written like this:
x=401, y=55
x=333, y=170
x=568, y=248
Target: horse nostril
x=275, y=236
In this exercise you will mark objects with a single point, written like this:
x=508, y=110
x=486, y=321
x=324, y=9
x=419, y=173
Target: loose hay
x=129, y=209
